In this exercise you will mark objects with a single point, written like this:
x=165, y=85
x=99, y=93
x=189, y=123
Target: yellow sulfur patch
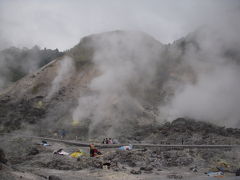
x=39, y=104
x=75, y=123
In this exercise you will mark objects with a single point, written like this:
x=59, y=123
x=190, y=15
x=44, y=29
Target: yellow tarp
x=78, y=154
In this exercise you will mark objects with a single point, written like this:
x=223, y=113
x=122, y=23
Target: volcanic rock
x=52, y=177
x=135, y=171
x=3, y=157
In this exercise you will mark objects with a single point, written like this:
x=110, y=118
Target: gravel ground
x=28, y=160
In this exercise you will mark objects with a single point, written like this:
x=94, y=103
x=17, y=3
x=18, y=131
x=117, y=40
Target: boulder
x=147, y=168
x=52, y=177
x=135, y=171
x=33, y=151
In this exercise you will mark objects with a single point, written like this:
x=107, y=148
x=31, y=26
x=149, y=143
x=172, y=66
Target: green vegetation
x=16, y=63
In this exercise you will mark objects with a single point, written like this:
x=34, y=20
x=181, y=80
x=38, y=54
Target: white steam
x=127, y=65
x=64, y=73
x=195, y=77
x=215, y=95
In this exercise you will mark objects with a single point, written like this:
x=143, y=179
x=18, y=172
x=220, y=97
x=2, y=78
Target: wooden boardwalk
x=169, y=146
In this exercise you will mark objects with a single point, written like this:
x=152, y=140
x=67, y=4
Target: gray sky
x=61, y=23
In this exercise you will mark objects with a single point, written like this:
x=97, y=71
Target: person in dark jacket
x=93, y=151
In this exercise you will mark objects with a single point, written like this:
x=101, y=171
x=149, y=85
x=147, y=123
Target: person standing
x=92, y=150
x=62, y=133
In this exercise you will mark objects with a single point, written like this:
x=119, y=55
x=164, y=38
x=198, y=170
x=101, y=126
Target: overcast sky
x=62, y=23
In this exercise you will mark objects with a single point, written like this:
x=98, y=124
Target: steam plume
x=64, y=73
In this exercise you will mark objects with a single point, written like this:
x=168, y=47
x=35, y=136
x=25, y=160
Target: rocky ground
x=26, y=159
x=186, y=130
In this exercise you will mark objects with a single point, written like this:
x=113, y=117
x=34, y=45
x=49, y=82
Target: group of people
x=107, y=141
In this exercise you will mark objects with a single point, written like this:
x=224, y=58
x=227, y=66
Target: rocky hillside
x=108, y=84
